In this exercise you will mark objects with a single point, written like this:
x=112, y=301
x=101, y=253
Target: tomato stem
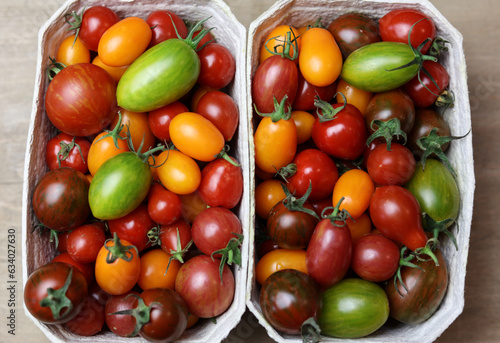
x=279, y=110
x=310, y=331
x=386, y=129
x=437, y=227
x=193, y=42
x=115, y=133
x=57, y=300
x=338, y=217
x=118, y=250
x=438, y=46
x=76, y=24
x=54, y=68
x=179, y=253
x=141, y=313
x=288, y=43
x=404, y=261
x=287, y=171
x=230, y=254
x=223, y=154
x=297, y=204
x=327, y=111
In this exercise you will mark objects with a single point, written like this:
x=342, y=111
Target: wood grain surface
x=476, y=20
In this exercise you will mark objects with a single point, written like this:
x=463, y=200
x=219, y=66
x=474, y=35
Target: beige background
x=478, y=22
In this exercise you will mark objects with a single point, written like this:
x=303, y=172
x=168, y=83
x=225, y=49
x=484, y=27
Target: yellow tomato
x=267, y=194
x=178, y=172
x=303, y=122
x=137, y=124
x=356, y=187
x=354, y=96
x=103, y=148
x=72, y=52
x=115, y=72
x=276, y=38
x=359, y=226
x=192, y=205
x=280, y=259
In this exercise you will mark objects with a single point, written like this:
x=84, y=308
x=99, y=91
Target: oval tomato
x=95, y=21
x=267, y=194
x=275, y=39
x=135, y=126
x=115, y=72
x=157, y=270
x=307, y=93
x=280, y=259
x=356, y=187
x=72, y=51
x=304, y=122
x=217, y=66
x=84, y=242
x=164, y=206
x=178, y=172
x=221, y=110
x=354, y=96
x=425, y=120
x=103, y=147
x=159, y=119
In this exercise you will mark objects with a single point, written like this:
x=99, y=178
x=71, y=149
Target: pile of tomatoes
x=142, y=191
x=354, y=190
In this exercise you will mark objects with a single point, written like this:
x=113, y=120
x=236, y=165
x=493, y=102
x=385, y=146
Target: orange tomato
x=138, y=126
x=102, y=149
x=354, y=96
x=178, y=172
x=304, y=122
x=115, y=72
x=192, y=205
x=359, y=226
x=276, y=38
x=275, y=144
x=72, y=52
x=123, y=42
x=280, y=259
x=267, y=194
x=320, y=59
x=154, y=272
x=357, y=188
x=120, y=275
x=196, y=136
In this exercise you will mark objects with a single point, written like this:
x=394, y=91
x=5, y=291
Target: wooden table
x=476, y=20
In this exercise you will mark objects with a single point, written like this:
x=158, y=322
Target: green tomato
x=119, y=186
x=436, y=190
x=353, y=308
x=160, y=76
x=371, y=67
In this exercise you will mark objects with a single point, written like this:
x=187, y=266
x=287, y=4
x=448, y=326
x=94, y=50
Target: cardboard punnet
x=36, y=247
x=301, y=12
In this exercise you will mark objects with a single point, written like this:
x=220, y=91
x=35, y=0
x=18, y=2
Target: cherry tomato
x=154, y=272
x=425, y=120
x=354, y=96
x=175, y=239
x=115, y=72
x=102, y=149
x=72, y=51
x=208, y=38
x=265, y=246
x=165, y=25
x=356, y=187
x=280, y=259
x=304, y=122
x=85, y=241
x=391, y=167
x=159, y=119
x=320, y=67
x=275, y=40
x=192, y=205
x=137, y=125
x=359, y=226
x=121, y=324
x=217, y=66
x=221, y=110
x=164, y=206
x=267, y=194
x=95, y=21
x=307, y=93
x=123, y=42
x=87, y=269
x=64, y=150
x=89, y=321
x=178, y=172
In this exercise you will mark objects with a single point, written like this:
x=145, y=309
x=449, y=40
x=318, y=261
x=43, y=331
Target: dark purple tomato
x=288, y=298
x=60, y=200
x=391, y=167
x=307, y=93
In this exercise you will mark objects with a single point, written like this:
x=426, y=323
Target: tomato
x=95, y=21
x=196, y=136
x=89, y=321
x=436, y=190
x=164, y=206
x=192, y=205
x=81, y=99
x=356, y=187
x=329, y=252
x=320, y=67
x=178, y=172
x=275, y=39
x=315, y=169
x=165, y=25
x=352, y=31
x=422, y=89
x=362, y=305
x=354, y=96
x=391, y=167
x=154, y=272
x=87, y=269
x=221, y=110
x=124, y=42
x=425, y=289
x=55, y=293
x=212, y=230
x=425, y=120
x=279, y=259
x=395, y=212
x=136, y=124
x=175, y=239
x=205, y=292
x=60, y=199
x=217, y=66
x=395, y=27
x=274, y=79
x=304, y=122
x=61, y=239
x=267, y=194
x=375, y=258
x=262, y=247
x=159, y=119
x=103, y=147
x=72, y=51
x=64, y=150
x=207, y=38
x=359, y=226
x=117, y=266
x=85, y=241
x=115, y=72
x=121, y=324
x=303, y=300
x=340, y=134
x=307, y=93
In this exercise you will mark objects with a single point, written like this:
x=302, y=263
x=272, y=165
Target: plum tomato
x=356, y=188
x=304, y=122
x=157, y=270
x=354, y=96
x=135, y=126
x=425, y=120
x=279, y=259
x=307, y=93
x=267, y=194
x=217, y=66
x=221, y=110
x=275, y=39
x=159, y=119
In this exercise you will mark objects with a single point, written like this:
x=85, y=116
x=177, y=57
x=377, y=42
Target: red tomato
x=175, y=239
x=164, y=25
x=217, y=66
x=89, y=321
x=164, y=206
x=391, y=167
x=95, y=21
x=121, y=324
x=307, y=93
x=159, y=119
x=221, y=110
x=67, y=151
x=87, y=269
x=85, y=241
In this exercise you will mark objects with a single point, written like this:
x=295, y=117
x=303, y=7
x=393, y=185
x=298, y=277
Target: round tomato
x=84, y=242
x=157, y=270
x=307, y=93
x=356, y=188
x=159, y=119
x=267, y=194
x=304, y=122
x=72, y=51
x=90, y=320
x=217, y=66
x=279, y=259
x=103, y=147
x=394, y=166
x=275, y=40
x=221, y=110
x=359, y=226
x=178, y=172
x=354, y=96
x=64, y=150
x=425, y=120
x=192, y=205
x=164, y=206
x=121, y=324
x=165, y=25
x=87, y=269
x=176, y=239
x=95, y=21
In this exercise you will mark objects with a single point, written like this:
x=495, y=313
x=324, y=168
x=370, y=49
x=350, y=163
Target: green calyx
x=387, y=130
x=230, y=254
x=54, y=68
x=439, y=227
x=66, y=149
x=438, y=47
x=310, y=331
x=223, y=154
x=287, y=171
x=406, y=256
x=57, y=300
x=178, y=254
x=328, y=112
x=287, y=45
x=193, y=42
x=297, y=204
x=115, y=133
x=141, y=313
x=119, y=251
x=338, y=217
x=76, y=24
x=281, y=110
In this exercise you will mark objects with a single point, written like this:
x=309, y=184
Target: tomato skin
x=115, y=72
x=164, y=25
x=60, y=199
x=425, y=120
x=356, y=187
x=87, y=269
x=328, y=255
x=121, y=324
x=352, y=31
x=436, y=190
x=396, y=213
x=362, y=305
x=369, y=67
x=391, y=167
x=168, y=236
x=73, y=159
x=279, y=259
x=217, y=66
x=359, y=227
x=275, y=144
x=344, y=136
x=279, y=34
x=196, y=136
x=426, y=289
x=303, y=300
x=89, y=321
x=154, y=272
x=221, y=110
x=307, y=92
x=72, y=51
x=173, y=66
x=192, y=205
x=95, y=21
x=81, y=99
x=320, y=67
x=85, y=241
x=164, y=206
x=388, y=105
x=102, y=149
x=137, y=125
x=53, y=275
x=355, y=96
x=159, y=119
x=199, y=284
x=304, y=122
x=178, y=172
x=267, y=194
x=395, y=27
x=124, y=42
x=275, y=78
